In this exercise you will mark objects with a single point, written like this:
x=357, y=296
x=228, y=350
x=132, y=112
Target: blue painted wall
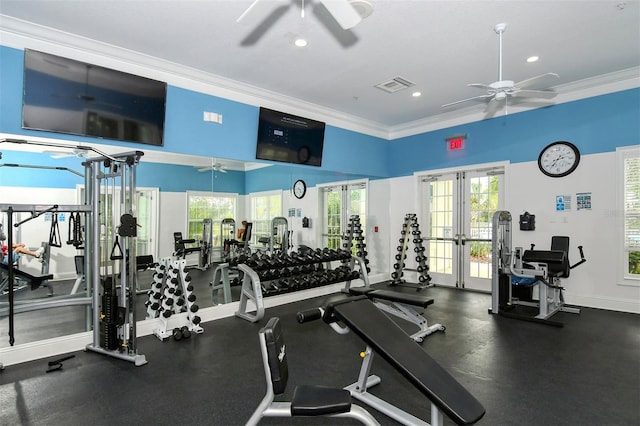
x=187, y=133
x=283, y=177
x=167, y=177
x=594, y=125
x=598, y=124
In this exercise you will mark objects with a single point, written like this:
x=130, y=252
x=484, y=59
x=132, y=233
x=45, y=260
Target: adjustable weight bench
x=402, y=305
x=307, y=400
x=387, y=339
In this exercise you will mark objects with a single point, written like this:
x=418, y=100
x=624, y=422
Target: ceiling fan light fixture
x=300, y=42
x=363, y=7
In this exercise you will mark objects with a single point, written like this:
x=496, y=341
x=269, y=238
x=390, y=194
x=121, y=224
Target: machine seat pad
x=34, y=280
x=319, y=401
x=405, y=298
x=391, y=342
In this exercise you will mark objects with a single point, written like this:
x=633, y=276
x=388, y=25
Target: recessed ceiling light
x=416, y=94
x=300, y=42
x=532, y=58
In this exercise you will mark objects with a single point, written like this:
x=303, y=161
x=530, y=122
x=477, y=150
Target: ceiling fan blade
x=342, y=11
x=545, y=79
x=546, y=94
x=204, y=169
x=480, y=85
x=468, y=99
x=258, y=11
x=492, y=107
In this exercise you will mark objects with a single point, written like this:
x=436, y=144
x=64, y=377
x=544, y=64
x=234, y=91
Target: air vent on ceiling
x=395, y=84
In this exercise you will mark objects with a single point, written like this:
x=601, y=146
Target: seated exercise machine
x=307, y=400
x=22, y=282
x=517, y=271
x=385, y=338
x=241, y=246
x=204, y=247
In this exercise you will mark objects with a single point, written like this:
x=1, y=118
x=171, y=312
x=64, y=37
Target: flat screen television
x=288, y=138
x=67, y=96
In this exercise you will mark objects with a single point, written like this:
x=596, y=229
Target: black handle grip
x=309, y=315
x=581, y=252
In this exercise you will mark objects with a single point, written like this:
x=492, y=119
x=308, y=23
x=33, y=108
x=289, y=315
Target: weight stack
x=109, y=323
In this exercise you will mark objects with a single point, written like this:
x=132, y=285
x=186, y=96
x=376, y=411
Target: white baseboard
x=77, y=342
x=608, y=303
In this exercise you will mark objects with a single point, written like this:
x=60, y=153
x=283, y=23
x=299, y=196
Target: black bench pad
x=319, y=401
x=392, y=296
x=389, y=341
x=34, y=280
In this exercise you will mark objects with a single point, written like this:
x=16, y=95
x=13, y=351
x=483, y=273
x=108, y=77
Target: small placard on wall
x=583, y=201
x=292, y=212
x=563, y=203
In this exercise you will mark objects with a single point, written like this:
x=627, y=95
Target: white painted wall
x=597, y=282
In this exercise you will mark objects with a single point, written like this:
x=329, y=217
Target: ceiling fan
x=347, y=13
x=499, y=92
x=215, y=166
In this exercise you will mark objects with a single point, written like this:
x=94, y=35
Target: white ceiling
x=441, y=46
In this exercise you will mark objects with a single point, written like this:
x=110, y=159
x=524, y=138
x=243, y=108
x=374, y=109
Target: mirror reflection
x=201, y=212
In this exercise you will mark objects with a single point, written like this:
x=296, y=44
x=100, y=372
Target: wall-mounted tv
x=289, y=138
x=67, y=96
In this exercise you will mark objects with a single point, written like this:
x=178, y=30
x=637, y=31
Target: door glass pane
x=483, y=202
x=334, y=219
x=441, y=226
x=144, y=211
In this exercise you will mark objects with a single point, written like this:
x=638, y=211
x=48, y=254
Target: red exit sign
x=455, y=143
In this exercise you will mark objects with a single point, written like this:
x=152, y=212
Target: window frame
x=256, y=231
x=624, y=278
x=216, y=221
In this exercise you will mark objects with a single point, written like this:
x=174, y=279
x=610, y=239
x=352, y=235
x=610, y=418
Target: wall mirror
x=165, y=183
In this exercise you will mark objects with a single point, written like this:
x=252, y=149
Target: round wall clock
x=299, y=188
x=558, y=159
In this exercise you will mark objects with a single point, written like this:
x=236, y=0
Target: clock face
x=299, y=188
x=559, y=159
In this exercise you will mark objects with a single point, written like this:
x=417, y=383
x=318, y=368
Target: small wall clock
x=299, y=188
x=559, y=159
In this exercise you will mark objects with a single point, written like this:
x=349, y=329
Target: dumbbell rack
x=355, y=232
x=269, y=275
x=411, y=233
x=172, y=293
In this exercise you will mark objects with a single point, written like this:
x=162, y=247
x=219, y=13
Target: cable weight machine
x=114, y=315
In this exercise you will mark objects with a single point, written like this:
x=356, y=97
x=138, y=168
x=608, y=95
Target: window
x=339, y=203
x=264, y=207
x=207, y=205
x=630, y=158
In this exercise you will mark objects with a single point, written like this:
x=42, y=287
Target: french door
x=339, y=202
x=458, y=210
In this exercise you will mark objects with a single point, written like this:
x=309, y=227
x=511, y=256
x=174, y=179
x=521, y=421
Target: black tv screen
x=289, y=138
x=67, y=96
